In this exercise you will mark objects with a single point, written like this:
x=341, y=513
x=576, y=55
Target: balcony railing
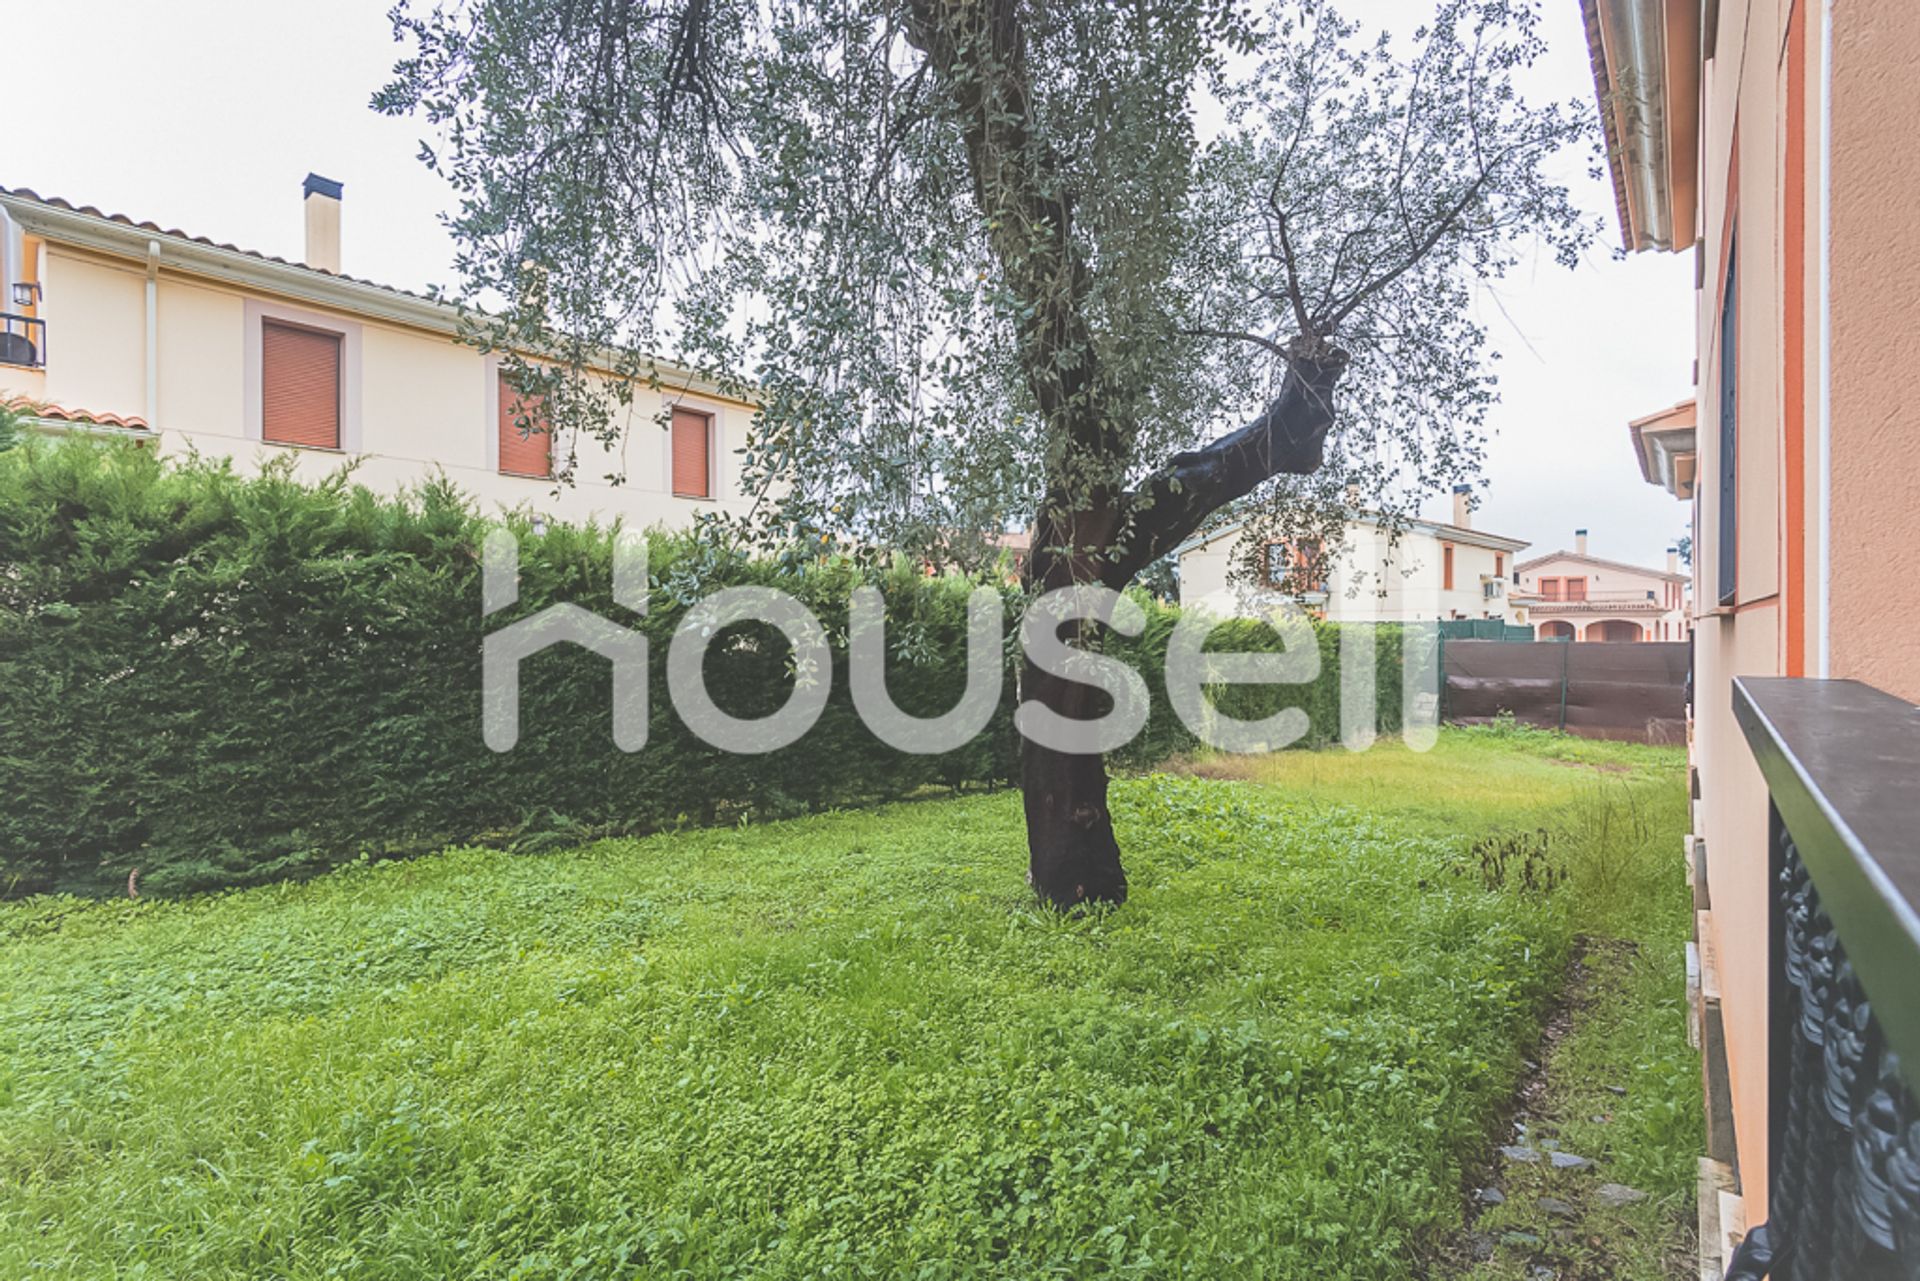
x=1600, y=602
x=23, y=340
x=1842, y=765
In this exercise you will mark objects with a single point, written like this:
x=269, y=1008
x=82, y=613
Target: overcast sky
x=206, y=114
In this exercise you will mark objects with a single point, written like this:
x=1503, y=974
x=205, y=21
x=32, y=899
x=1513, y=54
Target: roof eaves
x=120, y=236
x=1604, y=563
x=1604, y=93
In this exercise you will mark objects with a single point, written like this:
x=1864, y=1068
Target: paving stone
x=1490, y=1196
x=1568, y=1161
x=1519, y=1238
x=1620, y=1090
x=1480, y=1247
x=1618, y=1194
x=1526, y=1156
x=1556, y=1207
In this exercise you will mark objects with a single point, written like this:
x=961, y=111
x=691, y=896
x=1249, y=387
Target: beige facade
x=1432, y=572
x=1574, y=596
x=161, y=332
x=1777, y=141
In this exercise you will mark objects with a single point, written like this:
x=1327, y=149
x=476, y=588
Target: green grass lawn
x=842, y=1046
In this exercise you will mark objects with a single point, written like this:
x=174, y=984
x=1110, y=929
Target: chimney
x=1463, y=506
x=1580, y=542
x=1673, y=560
x=322, y=202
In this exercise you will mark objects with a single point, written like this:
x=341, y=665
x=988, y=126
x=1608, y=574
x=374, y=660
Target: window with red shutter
x=526, y=440
x=299, y=386
x=692, y=454
x=1446, y=559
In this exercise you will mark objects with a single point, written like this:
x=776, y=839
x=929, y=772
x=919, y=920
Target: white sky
x=206, y=114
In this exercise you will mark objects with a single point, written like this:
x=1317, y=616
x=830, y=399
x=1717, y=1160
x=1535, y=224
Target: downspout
x=10, y=267
x=153, y=335
x=1823, y=495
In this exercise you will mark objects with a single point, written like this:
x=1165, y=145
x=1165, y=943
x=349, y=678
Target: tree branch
x=977, y=49
x=1235, y=335
x=1288, y=438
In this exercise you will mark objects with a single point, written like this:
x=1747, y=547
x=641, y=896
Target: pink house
x=1574, y=596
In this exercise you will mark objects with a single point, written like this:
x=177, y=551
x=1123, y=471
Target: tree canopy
x=1099, y=269
x=977, y=257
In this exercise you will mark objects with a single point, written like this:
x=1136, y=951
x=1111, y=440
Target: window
x=299, y=386
x=692, y=454
x=1446, y=567
x=1730, y=432
x=1576, y=589
x=1279, y=564
x=1296, y=567
x=1499, y=564
x=526, y=439
x=1550, y=589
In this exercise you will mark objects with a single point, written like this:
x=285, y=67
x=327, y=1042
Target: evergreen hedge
x=222, y=680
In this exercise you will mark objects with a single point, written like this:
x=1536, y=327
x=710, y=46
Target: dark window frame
x=1729, y=492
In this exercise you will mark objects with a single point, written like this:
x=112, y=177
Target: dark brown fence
x=1618, y=691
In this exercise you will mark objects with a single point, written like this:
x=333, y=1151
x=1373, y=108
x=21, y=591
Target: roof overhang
x=290, y=280
x=1646, y=71
x=1667, y=445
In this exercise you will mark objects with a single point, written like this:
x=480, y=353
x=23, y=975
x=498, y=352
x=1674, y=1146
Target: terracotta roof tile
x=62, y=413
x=91, y=211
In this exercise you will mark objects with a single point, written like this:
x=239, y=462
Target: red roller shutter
x=692, y=454
x=523, y=453
x=299, y=386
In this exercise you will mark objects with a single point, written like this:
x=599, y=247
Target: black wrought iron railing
x=1842, y=765
x=23, y=340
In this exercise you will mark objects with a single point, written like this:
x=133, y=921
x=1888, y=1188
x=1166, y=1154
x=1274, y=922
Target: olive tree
x=1104, y=269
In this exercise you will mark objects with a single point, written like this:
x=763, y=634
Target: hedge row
x=223, y=680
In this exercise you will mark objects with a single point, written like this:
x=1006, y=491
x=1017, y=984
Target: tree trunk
x=1072, y=856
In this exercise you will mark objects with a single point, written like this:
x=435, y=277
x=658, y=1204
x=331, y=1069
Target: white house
x=1433, y=572
x=118, y=325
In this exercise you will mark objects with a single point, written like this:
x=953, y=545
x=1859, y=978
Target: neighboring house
x=1434, y=571
x=1573, y=596
x=232, y=353
x=1774, y=142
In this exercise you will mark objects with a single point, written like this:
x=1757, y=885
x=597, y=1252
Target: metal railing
x=1604, y=600
x=1842, y=765
x=23, y=340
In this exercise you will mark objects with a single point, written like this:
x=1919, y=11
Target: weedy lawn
x=843, y=1046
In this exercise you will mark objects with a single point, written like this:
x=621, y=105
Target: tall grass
x=848, y=1045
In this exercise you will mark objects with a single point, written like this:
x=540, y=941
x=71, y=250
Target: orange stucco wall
x=1876, y=344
